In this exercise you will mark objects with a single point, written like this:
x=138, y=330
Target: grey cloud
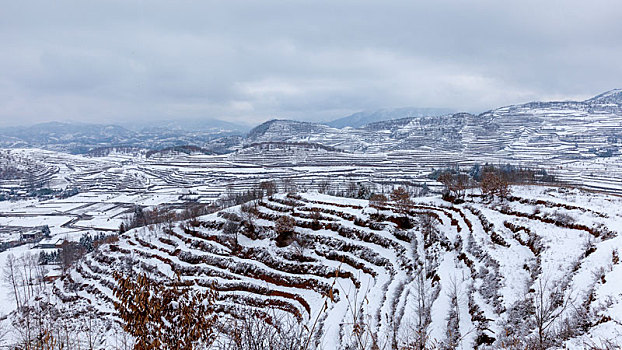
x=251, y=61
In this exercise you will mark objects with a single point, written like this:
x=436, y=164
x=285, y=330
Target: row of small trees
x=492, y=182
x=167, y=215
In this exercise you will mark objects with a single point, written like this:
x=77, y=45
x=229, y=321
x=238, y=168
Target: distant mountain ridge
x=613, y=96
x=281, y=129
x=360, y=119
x=187, y=125
x=567, y=129
x=83, y=137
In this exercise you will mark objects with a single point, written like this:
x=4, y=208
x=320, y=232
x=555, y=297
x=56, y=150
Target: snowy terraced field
x=481, y=262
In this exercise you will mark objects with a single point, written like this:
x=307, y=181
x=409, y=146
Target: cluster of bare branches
x=159, y=215
x=455, y=185
x=25, y=276
x=494, y=183
x=38, y=323
x=252, y=330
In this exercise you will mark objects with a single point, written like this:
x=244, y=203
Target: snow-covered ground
x=491, y=256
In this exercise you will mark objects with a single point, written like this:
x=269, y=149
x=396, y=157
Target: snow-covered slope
x=567, y=130
x=580, y=142
x=477, y=266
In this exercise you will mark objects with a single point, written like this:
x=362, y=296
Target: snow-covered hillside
x=473, y=274
x=540, y=130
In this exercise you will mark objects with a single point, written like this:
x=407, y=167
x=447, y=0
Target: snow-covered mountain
x=613, y=97
x=536, y=130
x=360, y=119
x=551, y=129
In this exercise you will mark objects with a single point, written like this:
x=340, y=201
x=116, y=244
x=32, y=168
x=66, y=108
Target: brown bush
x=284, y=228
x=494, y=183
x=163, y=316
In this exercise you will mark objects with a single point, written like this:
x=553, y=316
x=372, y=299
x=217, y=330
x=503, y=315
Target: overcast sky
x=115, y=61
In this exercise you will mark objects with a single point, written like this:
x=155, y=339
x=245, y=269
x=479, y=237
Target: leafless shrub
x=284, y=228
x=252, y=330
x=563, y=218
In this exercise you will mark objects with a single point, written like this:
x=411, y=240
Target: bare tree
x=289, y=186
x=316, y=216
x=254, y=330
x=11, y=276
x=70, y=253
x=535, y=320
x=550, y=303
x=494, y=183
x=455, y=185
x=428, y=227
x=268, y=187
x=401, y=197
x=378, y=201
x=453, y=335
x=26, y=276
x=351, y=189
x=417, y=336
x=323, y=186
x=231, y=229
